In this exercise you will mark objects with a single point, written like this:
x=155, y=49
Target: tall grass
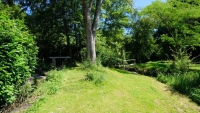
x=49, y=87
x=95, y=72
x=186, y=83
x=195, y=95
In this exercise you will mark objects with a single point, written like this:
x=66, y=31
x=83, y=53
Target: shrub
x=96, y=77
x=52, y=84
x=87, y=64
x=49, y=87
x=181, y=62
x=195, y=95
x=107, y=56
x=17, y=54
x=24, y=92
x=185, y=82
x=53, y=76
x=163, y=78
x=95, y=73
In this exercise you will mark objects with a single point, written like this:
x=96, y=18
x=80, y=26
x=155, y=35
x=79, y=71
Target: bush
x=195, y=95
x=17, y=54
x=95, y=73
x=87, y=64
x=51, y=86
x=96, y=77
x=185, y=82
x=163, y=78
x=181, y=62
x=24, y=92
x=181, y=82
x=109, y=56
x=53, y=76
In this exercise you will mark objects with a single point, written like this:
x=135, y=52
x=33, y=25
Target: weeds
x=195, y=95
x=50, y=87
x=96, y=73
x=187, y=83
x=52, y=84
x=96, y=77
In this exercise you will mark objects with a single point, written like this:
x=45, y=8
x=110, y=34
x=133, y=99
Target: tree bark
x=90, y=28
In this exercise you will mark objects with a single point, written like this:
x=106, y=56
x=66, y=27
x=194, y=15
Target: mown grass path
x=121, y=93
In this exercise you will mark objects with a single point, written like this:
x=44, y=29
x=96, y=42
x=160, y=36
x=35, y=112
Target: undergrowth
x=95, y=72
x=49, y=87
x=187, y=83
x=96, y=77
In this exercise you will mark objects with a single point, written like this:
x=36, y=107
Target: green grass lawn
x=120, y=93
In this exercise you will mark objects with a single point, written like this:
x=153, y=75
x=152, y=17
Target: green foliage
x=162, y=78
x=180, y=63
x=87, y=64
x=17, y=54
x=95, y=73
x=117, y=16
x=96, y=77
x=107, y=56
x=142, y=45
x=52, y=84
x=177, y=24
x=49, y=87
x=53, y=80
x=7, y=94
x=57, y=26
x=53, y=76
x=187, y=83
x=152, y=68
x=24, y=92
x=195, y=95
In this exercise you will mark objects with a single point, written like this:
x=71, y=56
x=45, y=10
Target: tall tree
x=56, y=24
x=142, y=45
x=116, y=22
x=175, y=17
x=91, y=25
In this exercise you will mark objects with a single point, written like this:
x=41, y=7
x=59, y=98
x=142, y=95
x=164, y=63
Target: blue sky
x=143, y=3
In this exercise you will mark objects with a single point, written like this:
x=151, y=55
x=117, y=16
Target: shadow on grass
x=122, y=71
x=153, y=65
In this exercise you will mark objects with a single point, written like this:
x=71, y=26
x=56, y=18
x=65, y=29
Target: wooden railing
x=125, y=62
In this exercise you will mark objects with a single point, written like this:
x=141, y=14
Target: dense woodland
x=103, y=31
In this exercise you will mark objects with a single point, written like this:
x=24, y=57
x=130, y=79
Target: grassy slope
x=121, y=93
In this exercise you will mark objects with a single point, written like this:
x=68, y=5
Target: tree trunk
x=90, y=28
